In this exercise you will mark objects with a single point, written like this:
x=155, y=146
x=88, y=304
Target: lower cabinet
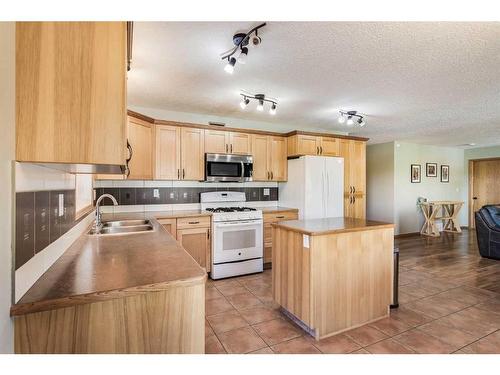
x=193, y=233
x=269, y=218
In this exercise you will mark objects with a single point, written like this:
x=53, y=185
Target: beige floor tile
x=437, y=306
x=208, y=330
x=226, y=321
x=299, y=345
x=366, y=335
x=266, y=350
x=361, y=351
x=487, y=345
x=391, y=326
x=277, y=330
x=455, y=337
x=338, y=344
x=409, y=316
x=241, y=340
x=244, y=300
x=211, y=293
x=217, y=305
x=213, y=345
x=230, y=290
x=421, y=342
x=259, y=314
x=388, y=346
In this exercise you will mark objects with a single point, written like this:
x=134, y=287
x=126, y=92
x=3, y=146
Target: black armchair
x=488, y=231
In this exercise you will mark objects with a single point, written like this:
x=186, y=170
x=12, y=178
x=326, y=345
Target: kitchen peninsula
x=333, y=274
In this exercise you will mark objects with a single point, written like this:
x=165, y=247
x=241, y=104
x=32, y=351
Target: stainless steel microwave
x=228, y=168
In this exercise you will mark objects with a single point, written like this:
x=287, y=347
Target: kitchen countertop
x=314, y=227
x=97, y=268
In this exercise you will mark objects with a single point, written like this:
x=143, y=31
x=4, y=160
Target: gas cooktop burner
x=230, y=209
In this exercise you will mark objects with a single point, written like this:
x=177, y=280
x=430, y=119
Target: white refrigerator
x=315, y=186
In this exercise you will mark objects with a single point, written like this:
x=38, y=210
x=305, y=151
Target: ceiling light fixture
x=241, y=41
x=261, y=99
x=349, y=117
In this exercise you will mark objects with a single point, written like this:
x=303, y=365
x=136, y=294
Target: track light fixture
x=349, y=117
x=261, y=99
x=241, y=41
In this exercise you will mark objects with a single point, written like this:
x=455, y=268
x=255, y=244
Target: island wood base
x=341, y=281
x=166, y=321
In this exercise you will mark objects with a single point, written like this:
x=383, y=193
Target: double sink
x=122, y=227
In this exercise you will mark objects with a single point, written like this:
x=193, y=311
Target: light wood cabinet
x=269, y=158
x=168, y=152
x=71, y=92
x=180, y=153
x=196, y=241
x=269, y=218
x=304, y=144
x=224, y=142
x=192, y=154
x=354, y=154
x=141, y=137
x=170, y=226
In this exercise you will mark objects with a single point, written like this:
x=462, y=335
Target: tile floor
x=449, y=303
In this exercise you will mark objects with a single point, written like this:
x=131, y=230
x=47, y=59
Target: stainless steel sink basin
x=123, y=227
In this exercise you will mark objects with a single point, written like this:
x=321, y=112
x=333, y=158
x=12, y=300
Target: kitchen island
x=128, y=293
x=334, y=274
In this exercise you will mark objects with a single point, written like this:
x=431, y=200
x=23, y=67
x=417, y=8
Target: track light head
x=361, y=122
x=341, y=118
x=229, y=68
x=350, y=121
x=272, y=111
x=244, y=102
x=242, y=58
x=260, y=106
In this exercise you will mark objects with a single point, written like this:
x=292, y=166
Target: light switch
x=61, y=205
x=266, y=191
x=156, y=193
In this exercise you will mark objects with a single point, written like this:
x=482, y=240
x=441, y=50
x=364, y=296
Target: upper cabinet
x=71, y=92
x=226, y=142
x=141, y=139
x=304, y=144
x=180, y=153
x=269, y=158
x=354, y=154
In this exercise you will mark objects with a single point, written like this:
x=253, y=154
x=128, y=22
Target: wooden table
x=447, y=211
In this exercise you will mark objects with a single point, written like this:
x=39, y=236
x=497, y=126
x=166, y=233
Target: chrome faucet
x=98, y=223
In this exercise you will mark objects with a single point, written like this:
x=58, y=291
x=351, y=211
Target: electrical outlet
x=156, y=193
x=185, y=195
x=266, y=192
x=172, y=196
x=61, y=205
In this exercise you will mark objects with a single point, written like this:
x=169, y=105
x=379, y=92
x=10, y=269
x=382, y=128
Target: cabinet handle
x=321, y=150
x=193, y=222
x=272, y=175
x=354, y=189
x=208, y=234
x=178, y=174
x=183, y=173
x=231, y=148
x=353, y=200
x=226, y=148
x=280, y=217
x=268, y=175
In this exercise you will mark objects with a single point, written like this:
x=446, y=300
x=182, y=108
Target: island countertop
x=97, y=268
x=314, y=227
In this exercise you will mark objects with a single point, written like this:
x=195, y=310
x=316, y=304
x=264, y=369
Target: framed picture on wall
x=415, y=173
x=445, y=173
x=431, y=169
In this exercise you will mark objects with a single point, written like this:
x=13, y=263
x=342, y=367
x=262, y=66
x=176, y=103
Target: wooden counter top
x=315, y=227
x=276, y=209
x=98, y=268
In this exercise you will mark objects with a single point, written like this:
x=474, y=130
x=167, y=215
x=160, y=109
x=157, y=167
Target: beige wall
x=7, y=126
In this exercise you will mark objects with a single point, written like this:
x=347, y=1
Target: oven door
x=235, y=241
x=228, y=168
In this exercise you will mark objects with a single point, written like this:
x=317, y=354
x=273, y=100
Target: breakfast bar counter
x=334, y=274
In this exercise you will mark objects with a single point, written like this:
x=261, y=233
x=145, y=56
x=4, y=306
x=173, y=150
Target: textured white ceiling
x=433, y=83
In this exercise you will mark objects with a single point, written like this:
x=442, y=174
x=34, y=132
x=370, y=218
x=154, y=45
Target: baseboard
x=403, y=235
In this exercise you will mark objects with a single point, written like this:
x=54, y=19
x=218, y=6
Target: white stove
x=237, y=240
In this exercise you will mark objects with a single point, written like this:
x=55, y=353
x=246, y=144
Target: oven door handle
x=237, y=223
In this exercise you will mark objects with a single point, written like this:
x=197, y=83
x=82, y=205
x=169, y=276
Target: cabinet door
x=329, y=146
x=344, y=151
x=357, y=166
x=71, y=92
x=308, y=144
x=278, y=164
x=216, y=142
x=141, y=139
x=197, y=243
x=260, y=157
x=348, y=206
x=359, y=206
x=192, y=154
x=240, y=143
x=170, y=226
x=168, y=152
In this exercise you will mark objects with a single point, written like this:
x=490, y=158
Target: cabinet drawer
x=280, y=216
x=268, y=233
x=193, y=222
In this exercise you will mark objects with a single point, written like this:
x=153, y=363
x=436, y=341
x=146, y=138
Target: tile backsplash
x=39, y=221
x=178, y=195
